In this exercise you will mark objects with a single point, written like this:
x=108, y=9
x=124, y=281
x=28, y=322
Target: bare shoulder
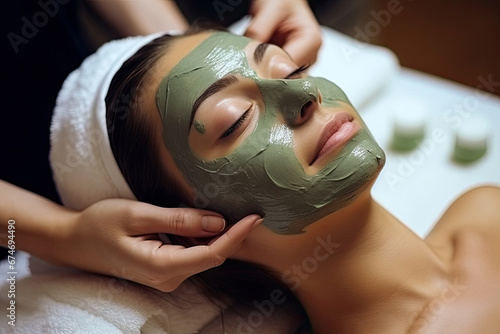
x=476, y=209
x=482, y=198
x=475, y=212
x=467, y=237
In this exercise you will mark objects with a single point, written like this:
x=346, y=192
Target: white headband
x=83, y=165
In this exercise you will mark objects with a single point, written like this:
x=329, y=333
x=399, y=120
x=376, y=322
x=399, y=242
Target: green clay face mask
x=263, y=175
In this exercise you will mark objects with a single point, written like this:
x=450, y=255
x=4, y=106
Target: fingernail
x=257, y=222
x=213, y=224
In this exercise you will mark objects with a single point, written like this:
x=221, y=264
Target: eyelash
x=243, y=117
x=237, y=124
x=298, y=71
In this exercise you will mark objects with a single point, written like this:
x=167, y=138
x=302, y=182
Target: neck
x=358, y=269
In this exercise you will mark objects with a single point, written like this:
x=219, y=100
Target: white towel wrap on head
x=83, y=165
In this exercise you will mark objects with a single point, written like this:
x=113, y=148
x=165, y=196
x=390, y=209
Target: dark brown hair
x=136, y=152
x=129, y=128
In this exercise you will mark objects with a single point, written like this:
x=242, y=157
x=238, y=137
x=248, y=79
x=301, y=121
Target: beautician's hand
x=120, y=238
x=289, y=24
x=117, y=237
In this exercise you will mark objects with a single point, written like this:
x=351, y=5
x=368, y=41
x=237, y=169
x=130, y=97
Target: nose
x=296, y=99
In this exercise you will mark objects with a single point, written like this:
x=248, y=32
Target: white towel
x=83, y=165
x=65, y=301
x=82, y=303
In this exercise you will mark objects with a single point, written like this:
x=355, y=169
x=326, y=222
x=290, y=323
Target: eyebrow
x=260, y=50
x=258, y=54
x=211, y=90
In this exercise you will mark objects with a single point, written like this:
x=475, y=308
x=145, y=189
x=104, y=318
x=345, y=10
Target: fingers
x=289, y=24
x=192, y=260
x=179, y=221
x=265, y=21
x=304, y=50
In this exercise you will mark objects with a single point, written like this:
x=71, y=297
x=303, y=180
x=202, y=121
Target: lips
x=336, y=133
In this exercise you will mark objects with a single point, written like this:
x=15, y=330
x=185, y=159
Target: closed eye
x=297, y=73
x=237, y=124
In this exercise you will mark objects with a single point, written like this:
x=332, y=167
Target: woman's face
x=252, y=134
